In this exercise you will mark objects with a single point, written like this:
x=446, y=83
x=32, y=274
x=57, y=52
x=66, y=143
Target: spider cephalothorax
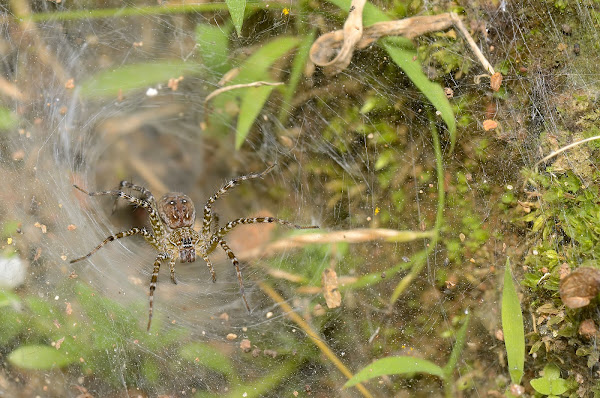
x=177, y=212
x=172, y=234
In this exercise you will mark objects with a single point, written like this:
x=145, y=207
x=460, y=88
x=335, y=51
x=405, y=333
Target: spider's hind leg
x=236, y=264
x=210, y=267
x=160, y=258
x=172, y=268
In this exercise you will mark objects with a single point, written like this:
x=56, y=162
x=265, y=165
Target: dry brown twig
x=358, y=235
x=233, y=87
x=238, y=86
x=340, y=44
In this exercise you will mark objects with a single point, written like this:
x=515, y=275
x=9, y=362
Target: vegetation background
x=423, y=171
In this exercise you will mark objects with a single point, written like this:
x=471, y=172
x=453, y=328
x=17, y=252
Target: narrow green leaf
x=459, y=344
x=8, y=119
x=213, y=47
x=406, y=59
x=257, y=65
x=252, y=104
x=39, y=357
x=395, y=366
x=512, y=326
x=255, y=68
x=297, y=69
x=207, y=356
x=266, y=384
x=236, y=10
x=126, y=78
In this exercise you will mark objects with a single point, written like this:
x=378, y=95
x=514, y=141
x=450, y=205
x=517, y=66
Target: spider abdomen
x=187, y=255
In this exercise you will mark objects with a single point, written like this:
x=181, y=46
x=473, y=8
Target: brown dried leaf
x=579, y=287
x=496, y=81
x=332, y=295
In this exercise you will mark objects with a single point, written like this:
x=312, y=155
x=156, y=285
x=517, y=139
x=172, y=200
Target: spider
x=172, y=234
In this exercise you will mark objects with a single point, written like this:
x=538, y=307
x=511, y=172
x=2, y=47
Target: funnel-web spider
x=172, y=235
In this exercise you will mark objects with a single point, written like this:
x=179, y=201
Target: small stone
x=500, y=334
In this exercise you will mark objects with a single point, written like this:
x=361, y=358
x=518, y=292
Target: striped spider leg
x=173, y=236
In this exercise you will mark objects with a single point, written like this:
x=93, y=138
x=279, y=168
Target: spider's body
x=172, y=221
x=177, y=212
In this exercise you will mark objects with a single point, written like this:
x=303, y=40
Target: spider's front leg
x=149, y=205
x=146, y=194
x=133, y=231
x=207, y=221
x=217, y=236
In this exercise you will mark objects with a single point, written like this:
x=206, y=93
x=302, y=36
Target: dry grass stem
x=238, y=86
x=561, y=150
x=312, y=334
x=350, y=236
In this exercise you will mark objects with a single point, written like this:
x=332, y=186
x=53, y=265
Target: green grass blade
x=252, y=104
x=297, y=69
x=39, y=357
x=395, y=366
x=127, y=78
x=459, y=344
x=236, y=10
x=512, y=326
x=405, y=58
x=266, y=384
x=257, y=65
x=213, y=47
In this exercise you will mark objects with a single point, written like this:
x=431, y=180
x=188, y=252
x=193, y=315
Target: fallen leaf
x=332, y=295
x=496, y=81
